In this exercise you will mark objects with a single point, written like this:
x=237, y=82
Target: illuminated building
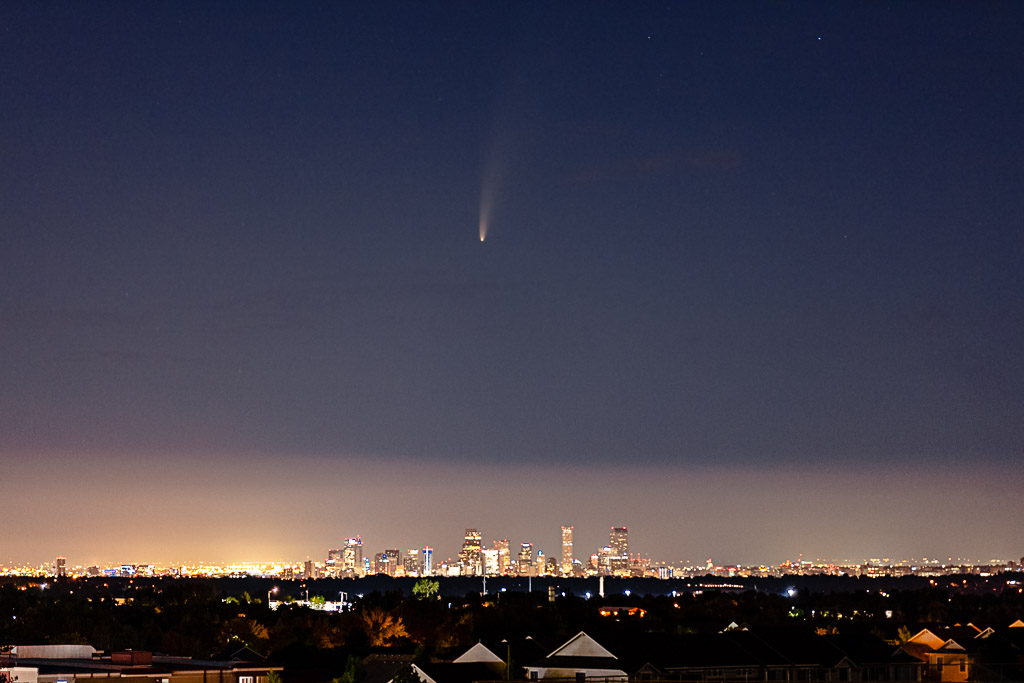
x=526, y=559
x=567, y=550
x=335, y=562
x=504, y=556
x=411, y=563
x=62, y=570
x=428, y=561
x=352, y=558
x=490, y=560
x=469, y=556
x=387, y=562
x=619, y=558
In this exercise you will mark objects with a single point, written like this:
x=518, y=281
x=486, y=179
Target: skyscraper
x=490, y=561
x=526, y=559
x=469, y=556
x=411, y=563
x=428, y=560
x=619, y=559
x=387, y=562
x=335, y=560
x=352, y=557
x=504, y=559
x=567, y=550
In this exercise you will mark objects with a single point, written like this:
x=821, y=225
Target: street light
x=272, y=590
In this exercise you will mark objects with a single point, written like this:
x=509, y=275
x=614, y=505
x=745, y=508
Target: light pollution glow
x=745, y=514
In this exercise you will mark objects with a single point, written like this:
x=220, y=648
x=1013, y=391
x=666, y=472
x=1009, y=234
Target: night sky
x=752, y=283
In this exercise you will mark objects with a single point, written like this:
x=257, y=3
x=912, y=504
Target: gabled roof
x=927, y=638
x=951, y=646
x=421, y=674
x=1017, y=624
x=478, y=653
x=581, y=645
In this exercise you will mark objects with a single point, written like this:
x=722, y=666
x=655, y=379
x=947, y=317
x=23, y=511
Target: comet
x=487, y=195
x=489, y=186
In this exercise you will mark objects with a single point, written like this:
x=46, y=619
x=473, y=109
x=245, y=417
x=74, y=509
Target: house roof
x=951, y=646
x=927, y=638
x=581, y=645
x=478, y=653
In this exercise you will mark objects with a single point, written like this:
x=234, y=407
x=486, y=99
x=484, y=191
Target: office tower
x=619, y=558
x=504, y=558
x=394, y=559
x=334, y=562
x=469, y=556
x=62, y=570
x=567, y=550
x=387, y=562
x=428, y=561
x=308, y=571
x=525, y=559
x=352, y=558
x=490, y=561
x=411, y=563
x=618, y=541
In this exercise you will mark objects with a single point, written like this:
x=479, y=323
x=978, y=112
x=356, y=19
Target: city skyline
x=615, y=553
x=742, y=278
